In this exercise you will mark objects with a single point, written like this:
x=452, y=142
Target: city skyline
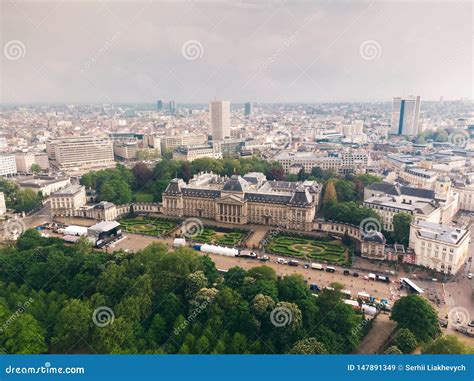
x=269, y=52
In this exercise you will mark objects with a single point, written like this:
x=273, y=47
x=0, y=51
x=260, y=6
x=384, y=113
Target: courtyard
x=223, y=238
x=308, y=248
x=147, y=225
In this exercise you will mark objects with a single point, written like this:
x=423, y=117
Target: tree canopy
x=416, y=314
x=158, y=301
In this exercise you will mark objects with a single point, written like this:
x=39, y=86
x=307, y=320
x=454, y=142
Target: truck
x=369, y=310
x=317, y=266
x=247, y=254
x=179, y=242
x=363, y=295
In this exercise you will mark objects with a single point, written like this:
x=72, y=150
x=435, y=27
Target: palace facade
x=244, y=200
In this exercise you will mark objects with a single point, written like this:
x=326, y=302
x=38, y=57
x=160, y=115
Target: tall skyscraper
x=172, y=107
x=220, y=120
x=159, y=105
x=248, y=108
x=405, y=113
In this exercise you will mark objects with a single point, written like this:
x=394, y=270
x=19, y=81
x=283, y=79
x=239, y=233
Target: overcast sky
x=262, y=51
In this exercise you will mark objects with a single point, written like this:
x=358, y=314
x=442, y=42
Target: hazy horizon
x=265, y=52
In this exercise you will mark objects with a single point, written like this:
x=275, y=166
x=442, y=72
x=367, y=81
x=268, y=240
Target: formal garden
x=147, y=225
x=308, y=248
x=222, y=238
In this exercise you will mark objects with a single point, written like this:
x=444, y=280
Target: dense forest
x=56, y=298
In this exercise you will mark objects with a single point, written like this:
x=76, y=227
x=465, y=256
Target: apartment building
x=7, y=165
x=418, y=177
x=45, y=184
x=3, y=207
x=24, y=161
x=439, y=247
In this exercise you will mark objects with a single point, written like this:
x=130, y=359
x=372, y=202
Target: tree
x=416, y=314
x=405, y=340
x=308, y=346
x=448, y=344
x=345, y=190
x=401, y=227
x=35, y=168
x=72, y=326
x=330, y=193
x=196, y=281
x=143, y=175
x=115, y=191
x=393, y=350
x=25, y=336
x=302, y=175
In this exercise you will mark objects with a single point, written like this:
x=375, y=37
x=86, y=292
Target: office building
x=220, y=119
x=190, y=153
x=172, y=108
x=248, y=109
x=7, y=165
x=159, y=105
x=44, y=184
x=83, y=152
x=65, y=202
x=173, y=141
x=405, y=114
x=439, y=247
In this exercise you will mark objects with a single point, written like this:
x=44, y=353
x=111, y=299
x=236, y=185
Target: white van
x=282, y=261
x=316, y=266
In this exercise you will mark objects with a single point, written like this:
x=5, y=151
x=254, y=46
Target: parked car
x=282, y=261
x=469, y=276
x=306, y=265
x=346, y=272
x=293, y=263
x=355, y=275
x=264, y=258
x=330, y=269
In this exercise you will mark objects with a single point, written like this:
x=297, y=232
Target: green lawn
x=147, y=225
x=143, y=197
x=308, y=248
x=209, y=235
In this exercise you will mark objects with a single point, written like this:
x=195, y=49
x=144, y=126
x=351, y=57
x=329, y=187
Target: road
x=135, y=242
